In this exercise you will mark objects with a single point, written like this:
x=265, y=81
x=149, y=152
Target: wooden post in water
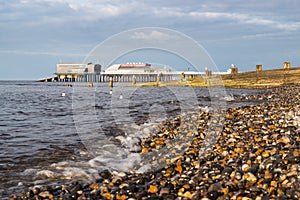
x=133, y=80
x=90, y=84
x=111, y=82
x=158, y=77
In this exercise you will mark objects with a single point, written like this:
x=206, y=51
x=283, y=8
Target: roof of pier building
x=77, y=68
x=135, y=67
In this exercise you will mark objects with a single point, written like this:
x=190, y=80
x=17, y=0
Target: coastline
x=256, y=157
x=247, y=80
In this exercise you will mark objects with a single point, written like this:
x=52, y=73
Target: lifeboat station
x=78, y=72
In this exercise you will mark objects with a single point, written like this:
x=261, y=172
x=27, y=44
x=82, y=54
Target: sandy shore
x=256, y=156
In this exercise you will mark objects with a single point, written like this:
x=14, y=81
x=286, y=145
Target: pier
x=149, y=76
x=129, y=72
x=125, y=77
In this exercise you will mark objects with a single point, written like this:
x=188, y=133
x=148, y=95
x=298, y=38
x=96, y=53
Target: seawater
x=47, y=138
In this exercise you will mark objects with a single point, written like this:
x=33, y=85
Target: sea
x=55, y=133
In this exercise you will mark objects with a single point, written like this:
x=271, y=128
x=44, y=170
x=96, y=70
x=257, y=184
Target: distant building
x=134, y=68
x=286, y=65
x=71, y=68
x=259, y=68
x=77, y=71
x=233, y=69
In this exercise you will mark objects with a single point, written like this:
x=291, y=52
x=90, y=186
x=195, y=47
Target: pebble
x=249, y=177
x=256, y=157
x=153, y=189
x=164, y=191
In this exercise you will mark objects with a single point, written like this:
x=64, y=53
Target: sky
x=35, y=35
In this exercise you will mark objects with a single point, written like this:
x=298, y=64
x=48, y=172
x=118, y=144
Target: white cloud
x=24, y=52
x=59, y=11
x=263, y=35
x=293, y=26
x=63, y=11
x=245, y=19
x=95, y=10
x=153, y=35
x=167, y=12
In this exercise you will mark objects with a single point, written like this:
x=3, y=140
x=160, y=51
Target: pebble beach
x=256, y=156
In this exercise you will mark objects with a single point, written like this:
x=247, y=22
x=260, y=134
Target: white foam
x=29, y=172
x=121, y=160
x=74, y=172
x=144, y=168
x=59, y=164
x=46, y=173
x=130, y=142
x=205, y=109
x=108, y=155
x=65, y=170
x=227, y=98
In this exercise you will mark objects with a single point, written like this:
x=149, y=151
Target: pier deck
x=125, y=77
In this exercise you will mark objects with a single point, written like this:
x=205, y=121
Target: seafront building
x=141, y=72
x=135, y=68
x=78, y=72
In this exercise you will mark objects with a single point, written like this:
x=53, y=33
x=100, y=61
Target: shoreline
x=209, y=82
x=260, y=79
x=255, y=157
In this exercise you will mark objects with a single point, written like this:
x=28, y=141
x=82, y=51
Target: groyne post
x=286, y=68
x=158, y=79
x=258, y=72
x=90, y=84
x=182, y=76
x=133, y=80
x=111, y=82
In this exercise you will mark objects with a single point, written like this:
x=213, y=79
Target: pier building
x=78, y=72
x=141, y=72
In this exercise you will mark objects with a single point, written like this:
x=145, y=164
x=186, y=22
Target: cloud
x=153, y=35
x=63, y=11
x=293, y=26
x=245, y=19
x=99, y=10
x=168, y=12
x=264, y=35
x=23, y=52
